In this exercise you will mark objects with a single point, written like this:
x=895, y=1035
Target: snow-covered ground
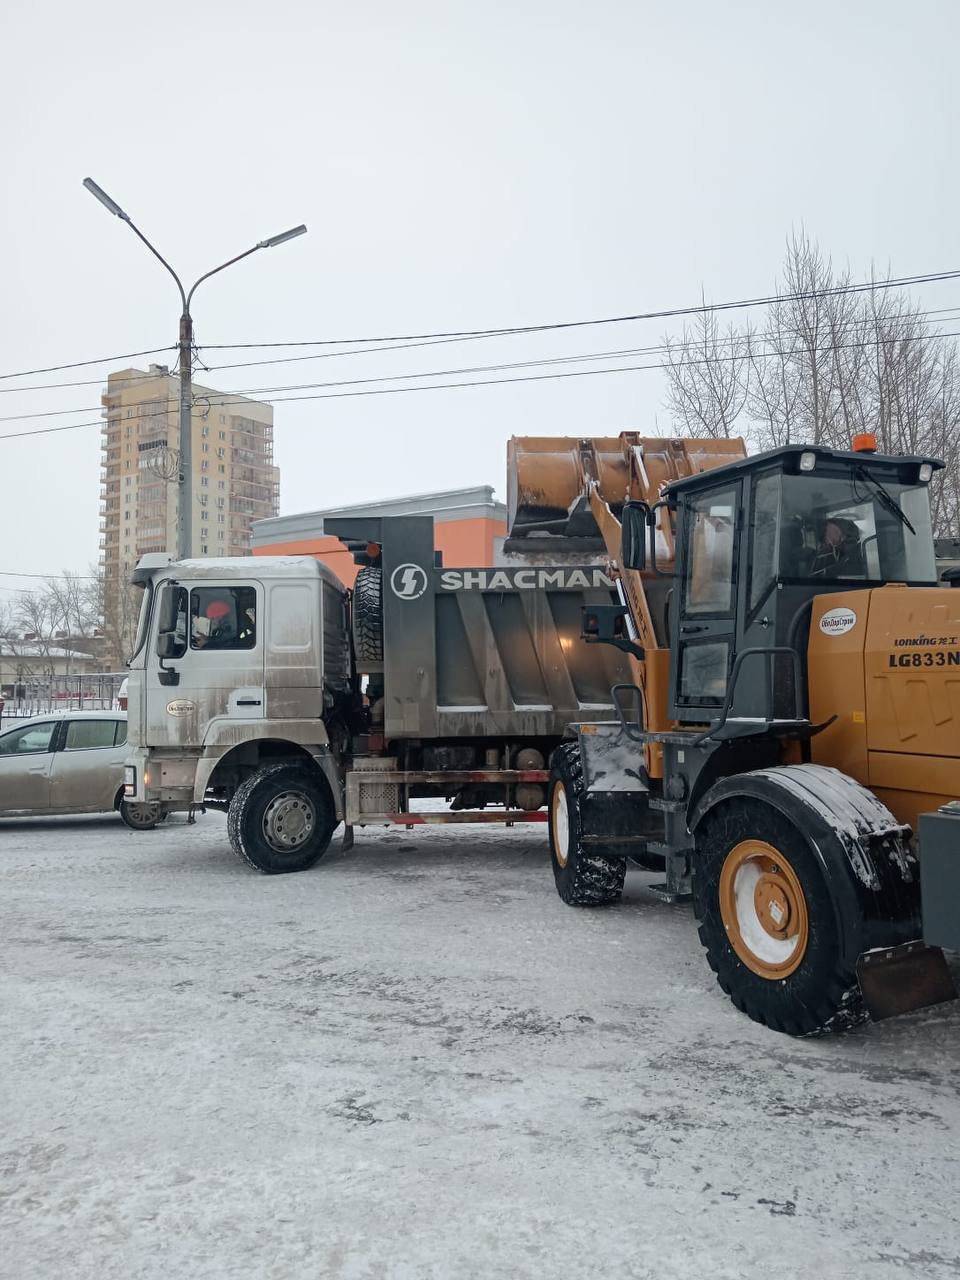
x=414, y=1061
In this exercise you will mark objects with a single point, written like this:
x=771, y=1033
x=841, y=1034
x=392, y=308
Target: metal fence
x=41, y=695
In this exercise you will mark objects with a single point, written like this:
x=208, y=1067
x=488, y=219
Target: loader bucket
x=896, y=980
x=549, y=477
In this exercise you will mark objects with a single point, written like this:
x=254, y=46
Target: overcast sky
x=459, y=166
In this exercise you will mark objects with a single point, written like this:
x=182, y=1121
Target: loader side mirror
x=633, y=544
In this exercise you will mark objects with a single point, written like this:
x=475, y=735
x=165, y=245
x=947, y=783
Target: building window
x=222, y=418
x=220, y=453
x=220, y=501
x=203, y=515
x=205, y=448
x=205, y=431
x=204, y=465
x=221, y=467
x=220, y=519
x=204, y=550
x=221, y=484
x=204, y=481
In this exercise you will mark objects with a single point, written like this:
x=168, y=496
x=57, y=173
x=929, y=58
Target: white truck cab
x=237, y=663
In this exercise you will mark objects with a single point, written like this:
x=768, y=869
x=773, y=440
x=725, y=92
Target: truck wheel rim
x=560, y=817
x=288, y=821
x=763, y=909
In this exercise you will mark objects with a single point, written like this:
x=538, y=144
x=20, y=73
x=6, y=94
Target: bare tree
x=826, y=363
x=708, y=377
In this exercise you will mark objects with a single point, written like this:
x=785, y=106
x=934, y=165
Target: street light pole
x=185, y=347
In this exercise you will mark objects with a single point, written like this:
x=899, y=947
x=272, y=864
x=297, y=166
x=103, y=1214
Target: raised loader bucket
x=549, y=478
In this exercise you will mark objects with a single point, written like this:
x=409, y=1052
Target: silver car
x=71, y=762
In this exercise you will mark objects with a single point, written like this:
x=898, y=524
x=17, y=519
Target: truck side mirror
x=172, y=603
x=633, y=544
x=169, y=646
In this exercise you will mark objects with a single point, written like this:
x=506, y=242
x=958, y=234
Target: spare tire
x=368, y=615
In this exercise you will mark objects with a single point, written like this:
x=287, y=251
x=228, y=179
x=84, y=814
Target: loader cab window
x=839, y=529
x=709, y=577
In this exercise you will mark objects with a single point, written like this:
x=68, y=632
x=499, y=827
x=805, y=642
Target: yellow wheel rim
x=763, y=909
x=560, y=823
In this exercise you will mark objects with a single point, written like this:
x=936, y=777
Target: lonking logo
x=408, y=581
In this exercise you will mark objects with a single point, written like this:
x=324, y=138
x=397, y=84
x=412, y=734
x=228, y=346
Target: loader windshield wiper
x=886, y=499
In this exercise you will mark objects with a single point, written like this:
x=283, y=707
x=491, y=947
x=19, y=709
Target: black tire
x=141, y=817
x=822, y=992
x=583, y=879
x=261, y=805
x=368, y=615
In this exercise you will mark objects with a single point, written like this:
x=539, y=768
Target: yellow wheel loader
x=793, y=719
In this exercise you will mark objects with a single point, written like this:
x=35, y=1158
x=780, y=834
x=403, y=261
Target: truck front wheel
x=281, y=819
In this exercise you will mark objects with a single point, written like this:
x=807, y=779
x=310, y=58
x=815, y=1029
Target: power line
x=923, y=316
x=489, y=382
x=87, y=577
x=900, y=282
x=79, y=364
x=223, y=399
x=505, y=330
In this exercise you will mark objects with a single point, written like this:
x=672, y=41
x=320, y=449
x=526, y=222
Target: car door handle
x=248, y=702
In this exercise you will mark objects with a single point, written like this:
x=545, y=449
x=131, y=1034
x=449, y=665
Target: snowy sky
x=459, y=166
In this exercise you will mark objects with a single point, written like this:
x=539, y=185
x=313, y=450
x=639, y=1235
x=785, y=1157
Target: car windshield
x=816, y=527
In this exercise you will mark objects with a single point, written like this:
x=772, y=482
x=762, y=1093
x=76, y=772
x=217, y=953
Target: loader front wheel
x=583, y=877
x=281, y=819
x=768, y=921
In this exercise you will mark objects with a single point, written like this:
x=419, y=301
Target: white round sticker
x=837, y=622
x=408, y=581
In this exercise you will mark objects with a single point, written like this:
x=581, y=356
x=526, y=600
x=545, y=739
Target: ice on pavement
x=415, y=1061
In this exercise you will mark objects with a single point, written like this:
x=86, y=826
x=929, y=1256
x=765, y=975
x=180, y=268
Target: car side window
x=120, y=733
x=84, y=735
x=32, y=739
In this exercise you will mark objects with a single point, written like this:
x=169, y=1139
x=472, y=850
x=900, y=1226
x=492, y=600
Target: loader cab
x=756, y=542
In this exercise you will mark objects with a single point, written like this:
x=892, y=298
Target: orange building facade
x=467, y=523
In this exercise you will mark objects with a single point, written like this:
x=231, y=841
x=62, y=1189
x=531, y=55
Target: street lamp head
x=104, y=199
x=284, y=235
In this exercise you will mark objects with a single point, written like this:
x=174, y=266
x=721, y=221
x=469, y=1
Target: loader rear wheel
x=281, y=819
x=368, y=615
x=768, y=921
x=583, y=878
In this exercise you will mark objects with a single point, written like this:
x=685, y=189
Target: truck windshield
x=816, y=528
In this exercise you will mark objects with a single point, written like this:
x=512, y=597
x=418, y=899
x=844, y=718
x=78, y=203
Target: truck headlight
x=129, y=780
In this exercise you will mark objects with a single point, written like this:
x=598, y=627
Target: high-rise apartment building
x=234, y=480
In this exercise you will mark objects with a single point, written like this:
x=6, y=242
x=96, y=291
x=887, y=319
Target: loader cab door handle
x=689, y=631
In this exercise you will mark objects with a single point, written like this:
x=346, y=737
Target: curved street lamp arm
x=136, y=230
x=208, y=274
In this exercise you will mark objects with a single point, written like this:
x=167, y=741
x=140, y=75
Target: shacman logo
x=408, y=581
